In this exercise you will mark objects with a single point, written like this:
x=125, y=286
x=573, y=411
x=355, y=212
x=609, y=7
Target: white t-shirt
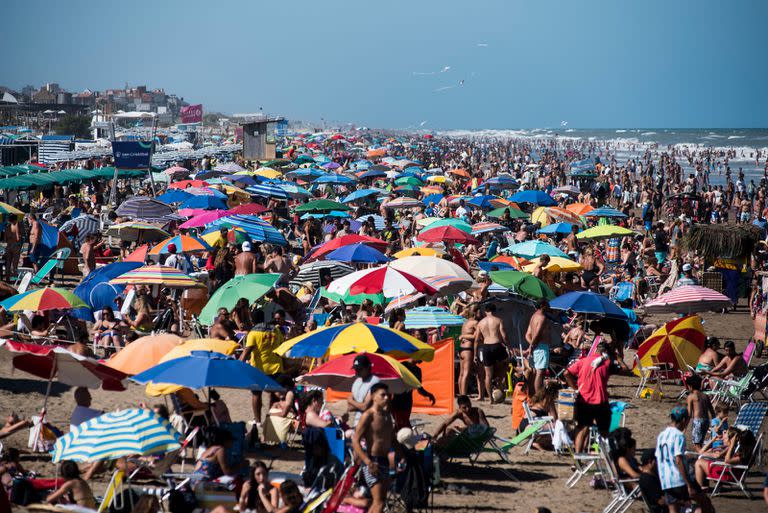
x=669, y=445
x=82, y=414
x=360, y=389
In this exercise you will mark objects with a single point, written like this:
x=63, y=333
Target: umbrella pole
x=39, y=431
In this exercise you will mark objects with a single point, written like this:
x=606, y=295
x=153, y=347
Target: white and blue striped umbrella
x=431, y=317
x=86, y=225
x=268, y=191
x=255, y=227
x=115, y=435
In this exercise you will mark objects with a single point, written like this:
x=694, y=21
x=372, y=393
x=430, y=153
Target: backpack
x=22, y=492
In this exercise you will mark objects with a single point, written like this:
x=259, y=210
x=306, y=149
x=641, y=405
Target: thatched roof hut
x=714, y=241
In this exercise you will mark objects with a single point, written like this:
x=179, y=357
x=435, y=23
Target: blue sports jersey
x=670, y=444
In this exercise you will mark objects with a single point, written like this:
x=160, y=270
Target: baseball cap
x=679, y=413
x=246, y=246
x=171, y=248
x=687, y=267
x=361, y=362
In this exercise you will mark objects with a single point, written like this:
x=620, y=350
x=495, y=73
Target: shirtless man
x=490, y=338
x=468, y=414
x=377, y=429
x=278, y=263
x=540, y=271
x=731, y=365
x=89, y=255
x=571, y=243
x=537, y=337
x=13, y=246
x=35, y=236
x=245, y=261
x=223, y=328
x=467, y=351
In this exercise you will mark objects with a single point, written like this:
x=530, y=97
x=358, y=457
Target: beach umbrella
x=353, y=299
x=331, y=165
x=357, y=337
x=372, y=173
x=334, y=179
x=494, y=266
x=340, y=375
x=432, y=198
x=587, y=303
x=409, y=180
x=85, y=224
x=358, y=254
x=211, y=176
x=137, y=231
x=57, y=363
x=248, y=209
x=6, y=209
x=606, y=231
x=678, y=344
x=445, y=285
x=486, y=201
x=256, y=228
x=143, y=353
x=503, y=181
x=452, y=222
x=96, y=291
x=243, y=180
x=605, y=212
x=459, y=172
x=556, y=265
x=403, y=202
x=183, y=243
x=174, y=196
x=556, y=229
x=384, y=279
x=303, y=159
x=132, y=432
x=322, y=205
x=523, y=284
x=250, y=286
x=548, y=215
x=580, y=208
x=431, y=317
x=571, y=190
x=311, y=272
x=687, y=299
x=515, y=261
x=138, y=255
x=205, y=219
x=419, y=251
x=346, y=240
x=447, y=234
x=268, y=172
x=440, y=179
x=378, y=221
x=428, y=266
x=234, y=235
x=185, y=184
x=208, y=369
x=205, y=203
x=229, y=167
x=142, y=207
x=535, y=248
x=534, y=197
x=321, y=215
x=40, y=300
x=156, y=275
x=360, y=194
x=514, y=213
x=224, y=347
x=267, y=190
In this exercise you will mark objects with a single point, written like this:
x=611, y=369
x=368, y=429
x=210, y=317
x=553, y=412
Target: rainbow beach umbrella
x=156, y=275
x=339, y=374
x=678, y=343
x=39, y=300
x=357, y=337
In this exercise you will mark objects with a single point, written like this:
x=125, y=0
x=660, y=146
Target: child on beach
x=700, y=409
x=719, y=424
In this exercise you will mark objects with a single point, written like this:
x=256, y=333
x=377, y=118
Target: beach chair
x=749, y=351
x=472, y=443
x=584, y=464
x=730, y=391
x=623, y=293
x=25, y=276
x=624, y=491
x=648, y=374
x=547, y=430
x=751, y=416
x=735, y=475
x=529, y=432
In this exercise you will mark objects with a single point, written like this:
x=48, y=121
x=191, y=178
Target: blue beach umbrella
x=204, y=202
x=115, y=435
x=556, y=229
x=431, y=317
x=540, y=198
x=432, y=198
x=268, y=190
x=483, y=201
x=375, y=173
x=587, y=303
x=202, y=369
x=96, y=291
x=256, y=228
x=334, y=179
x=535, y=248
x=359, y=194
x=358, y=254
x=605, y=212
x=174, y=196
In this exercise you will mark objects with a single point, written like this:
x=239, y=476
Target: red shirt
x=592, y=383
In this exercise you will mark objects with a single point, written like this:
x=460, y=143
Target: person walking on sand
x=700, y=408
x=491, y=342
x=537, y=337
x=377, y=430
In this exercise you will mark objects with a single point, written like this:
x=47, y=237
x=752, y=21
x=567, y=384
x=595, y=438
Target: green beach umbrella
x=322, y=205
x=352, y=299
x=451, y=221
x=607, y=231
x=514, y=213
x=523, y=284
x=408, y=180
x=251, y=286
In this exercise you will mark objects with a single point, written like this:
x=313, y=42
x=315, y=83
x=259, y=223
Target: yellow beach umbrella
x=268, y=172
x=678, y=343
x=556, y=265
x=421, y=251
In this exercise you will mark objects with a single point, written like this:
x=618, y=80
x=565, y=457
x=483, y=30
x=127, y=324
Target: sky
x=469, y=64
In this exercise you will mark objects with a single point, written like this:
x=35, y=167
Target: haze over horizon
x=433, y=65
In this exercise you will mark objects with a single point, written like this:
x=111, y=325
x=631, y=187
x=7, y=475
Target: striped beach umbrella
x=141, y=207
x=339, y=374
x=156, y=275
x=183, y=243
x=487, y=227
x=312, y=271
x=5, y=209
x=452, y=222
x=266, y=190
x=85, y=224
x=137, y=231
x=431, y=317
x=48, y=298
x=403, y=202
x=549, y=215
x=353, y=299
x=688, y=299
x=115, y=435
x=445, y=285
x=357, y=337
x=255, y=227
x=678, y=343
x=380, y=280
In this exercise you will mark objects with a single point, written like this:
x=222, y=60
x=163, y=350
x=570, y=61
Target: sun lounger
x=471, y=443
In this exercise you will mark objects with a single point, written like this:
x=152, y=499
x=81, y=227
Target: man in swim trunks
x=537, y=337
x=467, y=351
x=377, y=430
x=490, y=350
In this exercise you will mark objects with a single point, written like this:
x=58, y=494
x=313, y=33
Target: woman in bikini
x=466, y=350
x=107, y=330
x=590, y=276
x=75, y=488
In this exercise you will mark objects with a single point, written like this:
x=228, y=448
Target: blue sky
x=524, y=64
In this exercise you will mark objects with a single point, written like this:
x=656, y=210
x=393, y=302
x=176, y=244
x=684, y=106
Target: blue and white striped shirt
x=670, y=444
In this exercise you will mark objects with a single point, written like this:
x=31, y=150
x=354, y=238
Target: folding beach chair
x=584, y=464
x=648, y=374
x=624, y=491
x=623, y=293
x=471, y=443
x=25, y=278
x=730, y=391
x=751, y=416
x=547, y=429
x=529, y=432
x=735, y=475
